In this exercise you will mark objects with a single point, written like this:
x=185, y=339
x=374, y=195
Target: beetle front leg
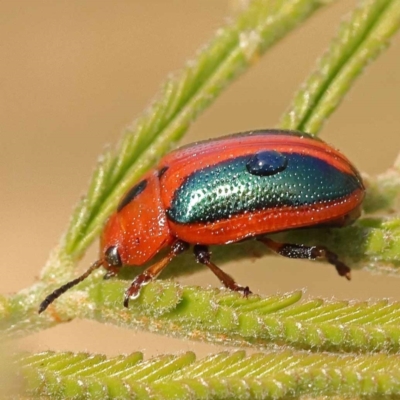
x=308, y=252
x=153, y=271
x=110, y=274
x=203, y=256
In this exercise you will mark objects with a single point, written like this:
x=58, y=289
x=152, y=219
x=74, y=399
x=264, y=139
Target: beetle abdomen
x=232, y=187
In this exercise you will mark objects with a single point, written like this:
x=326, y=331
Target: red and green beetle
x=226, y=190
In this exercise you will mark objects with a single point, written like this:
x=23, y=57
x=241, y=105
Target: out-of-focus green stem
x=360, y=39
x=383, y=191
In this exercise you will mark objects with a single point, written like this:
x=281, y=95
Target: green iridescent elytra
x=232, y=187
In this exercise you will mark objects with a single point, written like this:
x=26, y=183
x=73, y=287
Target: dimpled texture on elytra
x=229, y=188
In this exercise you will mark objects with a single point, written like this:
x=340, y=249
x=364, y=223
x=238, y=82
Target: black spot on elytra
x=132, y=194
x=162, y=171
x=266, y=163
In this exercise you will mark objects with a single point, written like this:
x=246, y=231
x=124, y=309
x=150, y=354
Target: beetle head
x=138, y=229
x=132, y=235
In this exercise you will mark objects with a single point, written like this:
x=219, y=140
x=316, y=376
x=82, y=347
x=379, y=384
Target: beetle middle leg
x=308, y=252
x=153, y=271
x=203, y=256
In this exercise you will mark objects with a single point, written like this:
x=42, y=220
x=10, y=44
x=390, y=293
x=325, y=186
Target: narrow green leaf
x=360, y=39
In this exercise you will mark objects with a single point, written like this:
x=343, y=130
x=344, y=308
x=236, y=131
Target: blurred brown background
x=74, y=73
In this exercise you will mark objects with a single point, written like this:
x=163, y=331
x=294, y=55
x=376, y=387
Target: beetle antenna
x=62, y=289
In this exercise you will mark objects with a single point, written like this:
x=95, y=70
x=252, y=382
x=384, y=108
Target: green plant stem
x=383, y=191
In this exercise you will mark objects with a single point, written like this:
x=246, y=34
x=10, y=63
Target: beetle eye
x=112, y=257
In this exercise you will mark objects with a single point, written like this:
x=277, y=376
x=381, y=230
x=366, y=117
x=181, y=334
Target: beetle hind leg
x=308, y=252
x=152, y=272
x=203, y=256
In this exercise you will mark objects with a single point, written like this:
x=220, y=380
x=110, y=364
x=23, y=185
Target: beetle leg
x=110, y=274
x=308, y=252
x=153, y=271
x=203, y=256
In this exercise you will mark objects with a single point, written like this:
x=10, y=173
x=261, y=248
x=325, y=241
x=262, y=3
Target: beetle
x=226, y=190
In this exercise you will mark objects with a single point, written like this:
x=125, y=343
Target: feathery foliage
x=279, y=374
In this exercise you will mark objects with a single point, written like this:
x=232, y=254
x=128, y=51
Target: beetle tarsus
x=109, y=274
x=332, y=258
x=134, y=289
x=203, y=256
x=153, y=271
x=291, y=250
